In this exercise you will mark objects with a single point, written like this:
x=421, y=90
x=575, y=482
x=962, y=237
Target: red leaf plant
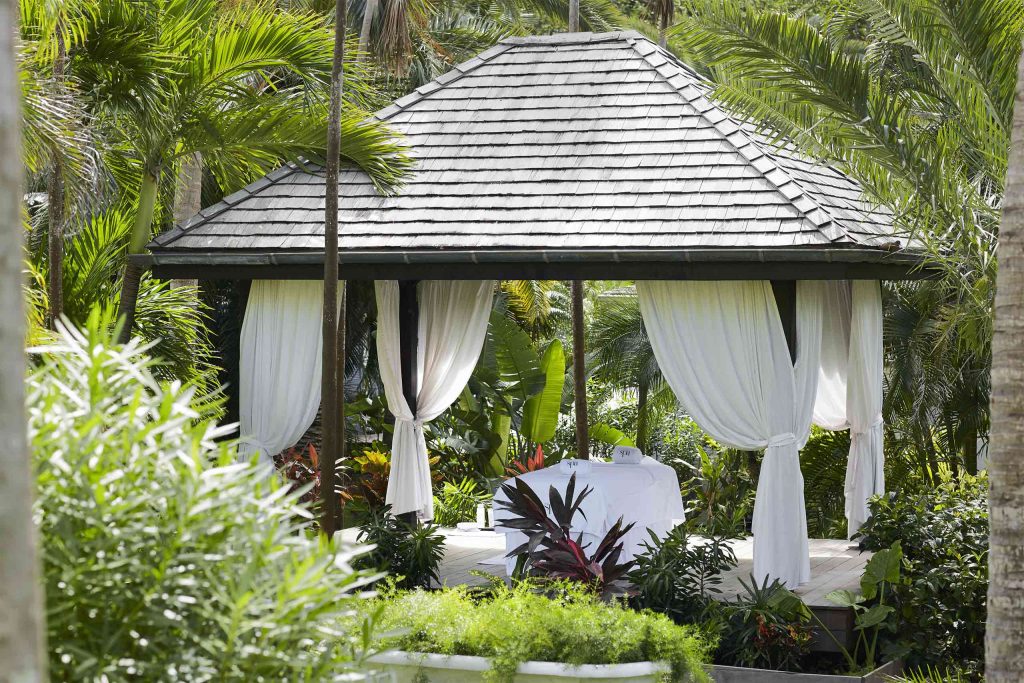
x=550, y=550
x=533, y=463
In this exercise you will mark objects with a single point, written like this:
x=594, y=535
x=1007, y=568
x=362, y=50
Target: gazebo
x=579, y=156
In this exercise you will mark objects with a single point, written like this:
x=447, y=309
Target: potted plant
x=563, y=632
x=770, y=627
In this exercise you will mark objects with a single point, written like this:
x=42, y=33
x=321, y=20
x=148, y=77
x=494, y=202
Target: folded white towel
x=627, y=455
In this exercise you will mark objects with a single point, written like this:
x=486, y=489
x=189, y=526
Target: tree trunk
x=331, y=382
x=55, y=208
x=1004, y=637
x=364, y=31
x=663, y=30
x=641, y=417
x=574, y=16
x=22, y=649
x=140, y=237
x=579, y=371
x=188, y=197
x=342, y=357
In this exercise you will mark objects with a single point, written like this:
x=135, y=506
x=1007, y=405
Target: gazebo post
x=579, y=372
x=785, y=301
x=408, y=333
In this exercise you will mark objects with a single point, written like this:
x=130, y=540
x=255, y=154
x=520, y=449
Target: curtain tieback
x=255, y=444
x=783, y=439
x=877, y=422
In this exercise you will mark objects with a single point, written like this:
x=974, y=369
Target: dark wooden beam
x=408, y=330
x=408, y=342
x=785, y=301
x=579, y=372
x=652, y=270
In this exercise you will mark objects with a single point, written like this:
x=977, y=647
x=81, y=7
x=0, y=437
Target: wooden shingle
x=588, y=141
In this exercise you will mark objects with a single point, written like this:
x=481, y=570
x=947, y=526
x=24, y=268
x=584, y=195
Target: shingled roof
x=565, y=147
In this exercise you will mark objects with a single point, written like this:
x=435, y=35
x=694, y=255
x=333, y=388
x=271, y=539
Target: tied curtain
x=279, y=365
x=453, y=318
x=850, y=388
x=723, y=350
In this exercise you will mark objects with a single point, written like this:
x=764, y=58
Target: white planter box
x=415, y=667
x=738, y=674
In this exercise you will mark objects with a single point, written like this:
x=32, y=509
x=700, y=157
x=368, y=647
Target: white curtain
x=453, y=319
x=865, y=466
x=830, y=404
x=279, y=365
x=850, y=387
x=722, y=349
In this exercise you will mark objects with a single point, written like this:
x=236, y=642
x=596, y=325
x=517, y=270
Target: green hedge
x=164, y=559
x=512, y=626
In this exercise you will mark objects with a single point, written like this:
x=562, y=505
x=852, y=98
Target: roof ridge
x=697, y=81
x=577, y=38
x=450, y=76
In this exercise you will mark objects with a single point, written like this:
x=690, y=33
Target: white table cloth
x=646, y=493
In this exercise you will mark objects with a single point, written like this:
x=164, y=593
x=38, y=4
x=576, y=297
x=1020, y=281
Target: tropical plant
x=533, y=463
x=823, y=465
x=872, y=614
x=171, y=317
x=417, y=42
x=242, y=86
x=766, y=627
x=550, y=550
x=719, y=495
x=370, y=473
x=164, y=556
x=541, y=411
x=409, y=553
x=940, y=599
x=537, y=306
x=932, y=675
x=458, y=502
x=622, y=355
x=678, y=575
x=300, y=469
x=512, y=626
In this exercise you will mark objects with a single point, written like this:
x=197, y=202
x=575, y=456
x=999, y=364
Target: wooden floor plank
x=835, y=564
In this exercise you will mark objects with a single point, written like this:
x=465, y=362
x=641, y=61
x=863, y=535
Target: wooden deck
x=835, y=565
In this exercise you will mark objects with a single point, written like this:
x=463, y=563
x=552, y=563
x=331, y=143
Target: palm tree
x=333, y=379
x=913, y=98
x=241, y=86
x=57, y=144
x=1004, y=636
x=622, y=355
x=418, y=41
x=22, y=652
x=537, y=306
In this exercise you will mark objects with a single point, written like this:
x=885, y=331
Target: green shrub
x=163, y=558
x=517, y=625
x=766, y=627
x=679, y=576
x=410, y=553
x=940, y=598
